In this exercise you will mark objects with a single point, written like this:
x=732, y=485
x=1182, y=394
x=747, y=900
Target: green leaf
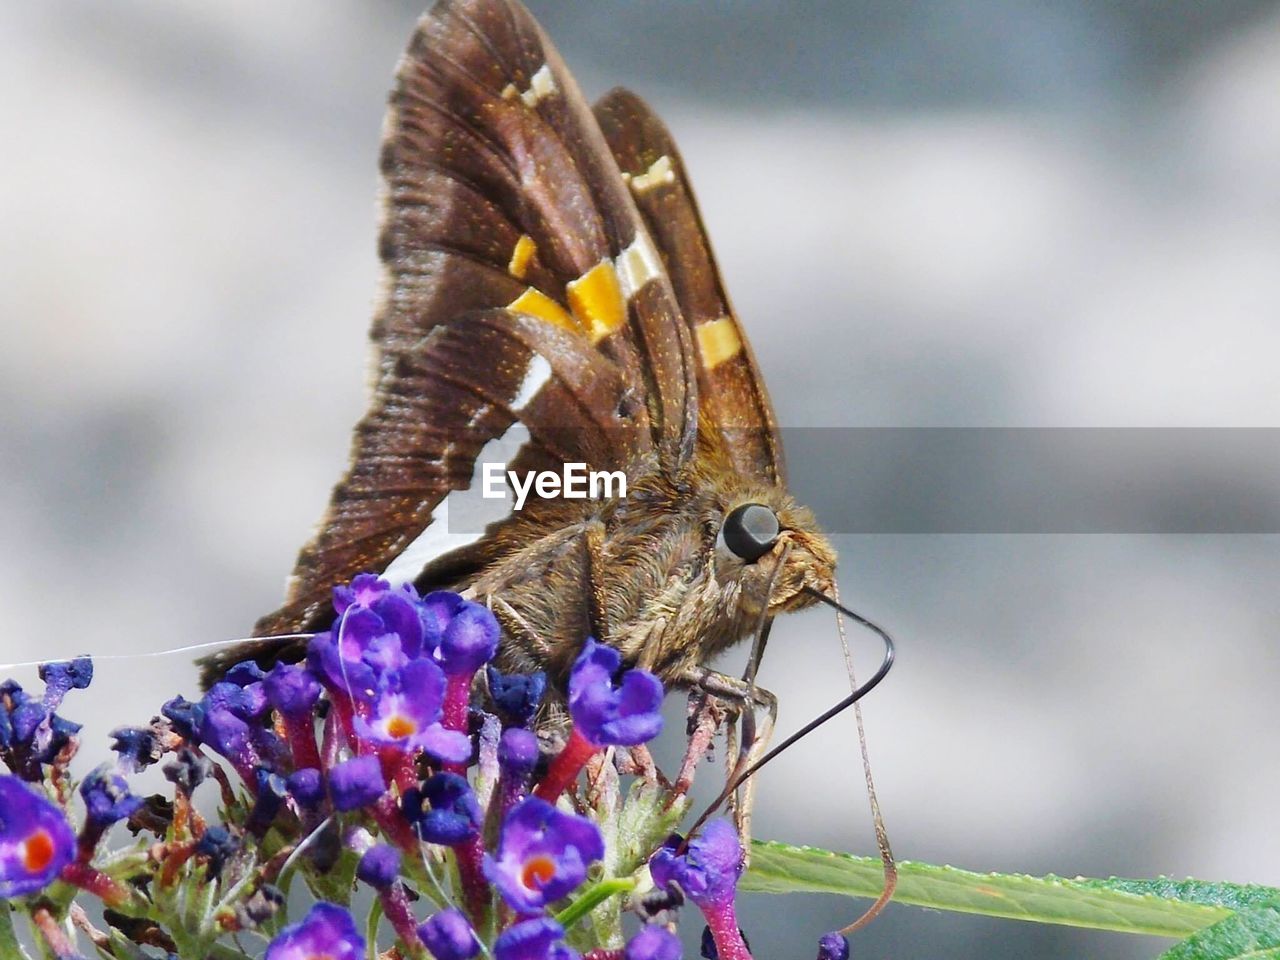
x=1234, y=896
x=1253, y=933
x=1162, y=908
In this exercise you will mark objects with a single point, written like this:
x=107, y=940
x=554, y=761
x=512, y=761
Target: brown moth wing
x=436, y=407
x=503, y=192
x=732, y=395
x=500, y=193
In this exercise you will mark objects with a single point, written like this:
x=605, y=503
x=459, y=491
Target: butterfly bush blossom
x=431, y=804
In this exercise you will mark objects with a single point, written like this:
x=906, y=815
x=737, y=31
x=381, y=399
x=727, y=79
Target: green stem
x=371, y=929
x=9, y=946
x=592, y=898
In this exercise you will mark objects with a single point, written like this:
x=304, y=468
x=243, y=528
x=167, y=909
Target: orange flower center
x=401, y=726
x=537, y=872
x=37, y=851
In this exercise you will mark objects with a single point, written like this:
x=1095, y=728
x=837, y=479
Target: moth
x=547, y=270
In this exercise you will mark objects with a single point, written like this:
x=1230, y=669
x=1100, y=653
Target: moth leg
x=593, y=544
x=706, y=714
x=747, y=698
x=516, y=626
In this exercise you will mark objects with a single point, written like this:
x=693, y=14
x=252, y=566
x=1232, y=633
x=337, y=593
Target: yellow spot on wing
x=541, y=84
x=596, y=300
x=718, y=341
x=521, y=255
x=538, y=304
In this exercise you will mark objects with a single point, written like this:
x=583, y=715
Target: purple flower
x=271, y=793
x=708, y=870
x=379, y=866
x=371, y=608
x=246, y=702
x=230, y=736
x=35, y=840
x=378, y=628
x=326, y=932
x=449, y=936
x=708, y=874
x=184, y=715
x=137, y=747
x=444, y=810
x=542, y=856
x=653, y=943
x=469, y=638
x=306, y=787
x=605, y=713
x=356, y=783
x=244, y=673
x=291, y=690
x=517, y=754
x=516, y=695
x=217, y=846
x=538, y=939
x=405, y=713
x=107, y=798
x=63, y=675
x=436, y=610
x=833, y=946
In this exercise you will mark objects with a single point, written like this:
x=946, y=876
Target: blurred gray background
x=1028, y=214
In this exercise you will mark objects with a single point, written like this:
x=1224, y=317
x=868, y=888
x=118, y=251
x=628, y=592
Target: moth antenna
x=886, y=664
x=882, y=835
x=192, y=648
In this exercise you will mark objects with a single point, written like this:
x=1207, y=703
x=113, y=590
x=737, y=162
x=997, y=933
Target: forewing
x=502, y=191
x=733, y=400
x=501, y=195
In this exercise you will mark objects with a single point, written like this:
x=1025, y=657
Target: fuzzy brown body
x=644, y=574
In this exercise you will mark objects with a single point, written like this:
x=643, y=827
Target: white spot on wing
x=541, y=84
x=464, y=509
x=637, y=265
x=433, y=542
x=660, y=172
x=535, y=378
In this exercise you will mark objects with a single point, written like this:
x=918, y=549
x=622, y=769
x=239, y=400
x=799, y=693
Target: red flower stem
x=454, y=711
x=344, y=708
x=175, y=857
x=387, y=815
x=87, y=842
x=457, y=699
x=301, y=731
x=395, y=905
x=54, y=935
x=475, y=888
x=398, y=768
x=603, y=955
x=723, y=921
x=565, y=767
x=94, y=881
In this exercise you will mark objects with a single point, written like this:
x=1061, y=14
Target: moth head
x=758, y=534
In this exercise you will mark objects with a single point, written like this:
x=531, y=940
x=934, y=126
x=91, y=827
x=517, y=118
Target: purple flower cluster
x=367, y=746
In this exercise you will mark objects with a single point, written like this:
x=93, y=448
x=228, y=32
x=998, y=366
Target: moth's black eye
x=750, y=530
